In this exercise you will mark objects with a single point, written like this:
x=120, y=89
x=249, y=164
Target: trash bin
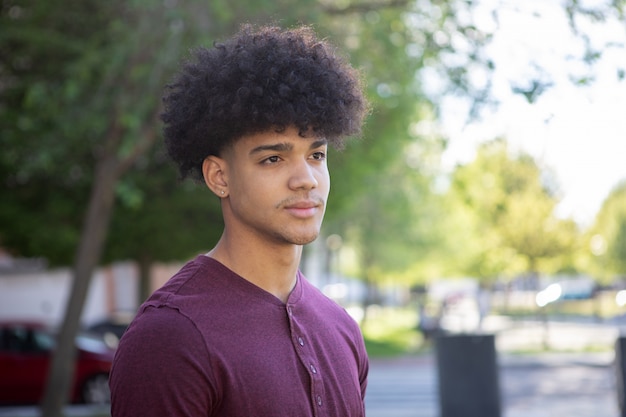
x=620, y=369
x=468, y=375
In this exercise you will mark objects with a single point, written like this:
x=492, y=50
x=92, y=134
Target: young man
x=239, y=332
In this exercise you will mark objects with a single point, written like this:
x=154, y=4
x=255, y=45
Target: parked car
x=26, y=350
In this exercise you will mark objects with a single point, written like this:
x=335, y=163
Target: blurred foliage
x=505, y=203
x=44, y=181
x=606, y=239
x=82, y=81
x=80, y=77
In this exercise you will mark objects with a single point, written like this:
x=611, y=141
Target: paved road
x=402, y=388
x=548, y=385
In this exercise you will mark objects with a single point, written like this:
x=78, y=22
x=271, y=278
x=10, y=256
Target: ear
x=214, y=172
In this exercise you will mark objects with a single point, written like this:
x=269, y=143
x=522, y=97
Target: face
x=278, y=184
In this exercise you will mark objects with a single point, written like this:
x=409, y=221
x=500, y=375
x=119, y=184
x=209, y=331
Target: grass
x=391, y=332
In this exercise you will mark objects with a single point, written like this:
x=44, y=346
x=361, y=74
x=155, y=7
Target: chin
x=301, y=238
x=295, y=235
x=305, y=239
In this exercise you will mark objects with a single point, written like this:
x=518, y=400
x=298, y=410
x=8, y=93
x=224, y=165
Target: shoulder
x=161, y=348
x=160, y=333
x=152, y=323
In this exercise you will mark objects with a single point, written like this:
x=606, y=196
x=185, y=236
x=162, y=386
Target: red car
x=25, y=355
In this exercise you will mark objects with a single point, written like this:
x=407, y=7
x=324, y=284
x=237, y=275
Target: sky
x=577, y=132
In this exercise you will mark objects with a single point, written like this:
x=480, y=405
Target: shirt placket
x=308, y=359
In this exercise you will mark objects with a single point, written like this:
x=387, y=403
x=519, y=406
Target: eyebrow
x=318, y=143
x=283, y=146
x=279, y=147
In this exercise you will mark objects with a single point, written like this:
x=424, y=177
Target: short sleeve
x=162, y=367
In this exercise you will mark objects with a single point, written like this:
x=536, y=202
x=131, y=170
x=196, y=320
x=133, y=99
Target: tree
x=124, y=136
x=607, y=237
x=109, y=93
x=515, y=228
x=77, y=79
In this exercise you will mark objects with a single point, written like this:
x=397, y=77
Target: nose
x=303, y=176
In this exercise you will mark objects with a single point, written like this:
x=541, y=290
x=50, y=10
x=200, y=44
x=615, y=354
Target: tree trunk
x=145, y=278
x=371, y=297
x=60, y=376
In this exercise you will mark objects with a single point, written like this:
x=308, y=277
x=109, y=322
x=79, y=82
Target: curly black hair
x=261, y=79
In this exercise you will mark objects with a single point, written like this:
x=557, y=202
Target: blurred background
x=488, y=190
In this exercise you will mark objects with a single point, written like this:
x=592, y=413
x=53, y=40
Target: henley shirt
x=210, y=343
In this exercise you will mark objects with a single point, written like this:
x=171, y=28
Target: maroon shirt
x=210, y=343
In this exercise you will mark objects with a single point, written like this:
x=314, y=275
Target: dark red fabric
x=210, y=343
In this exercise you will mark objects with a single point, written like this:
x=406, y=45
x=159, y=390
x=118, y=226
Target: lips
x=303, y=205
x=304, y=208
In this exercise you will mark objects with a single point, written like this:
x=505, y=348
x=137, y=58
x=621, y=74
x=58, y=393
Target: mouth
x=304, y=208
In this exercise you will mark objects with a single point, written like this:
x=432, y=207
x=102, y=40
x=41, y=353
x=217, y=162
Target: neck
x=272, y=268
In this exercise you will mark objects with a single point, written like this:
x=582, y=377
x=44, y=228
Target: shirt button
x=313, y=368
x=300, y=341
x=319, y=400
x=290, y=311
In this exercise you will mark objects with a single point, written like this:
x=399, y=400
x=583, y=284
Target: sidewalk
x=559, y=384
x=538, y=385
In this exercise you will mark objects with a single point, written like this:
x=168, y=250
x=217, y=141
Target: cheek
x=324, y=181
x=258, y=191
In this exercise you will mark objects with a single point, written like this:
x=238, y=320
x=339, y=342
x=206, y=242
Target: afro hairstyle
x=258, y=80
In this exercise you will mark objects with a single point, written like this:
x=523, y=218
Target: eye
x=319, y=156
x=271, y=160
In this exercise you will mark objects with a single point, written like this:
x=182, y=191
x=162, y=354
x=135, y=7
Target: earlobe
x=213, y=170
